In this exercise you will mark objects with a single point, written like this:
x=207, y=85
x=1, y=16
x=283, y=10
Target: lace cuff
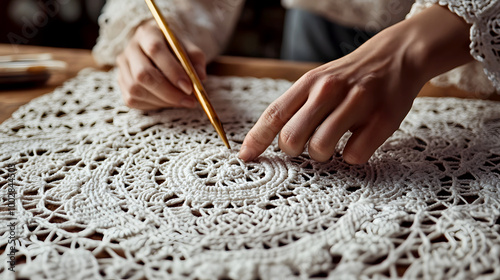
x=206, y=23
x=117, y=23
x=483, y=75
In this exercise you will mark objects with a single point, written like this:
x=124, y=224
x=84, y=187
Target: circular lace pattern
x=109, y=192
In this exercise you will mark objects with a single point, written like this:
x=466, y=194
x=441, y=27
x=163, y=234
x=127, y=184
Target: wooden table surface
x=77, y=59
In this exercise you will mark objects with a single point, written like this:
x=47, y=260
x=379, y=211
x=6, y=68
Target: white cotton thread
x=114, y=192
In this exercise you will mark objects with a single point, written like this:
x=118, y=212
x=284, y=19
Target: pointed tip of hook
x=226, y=142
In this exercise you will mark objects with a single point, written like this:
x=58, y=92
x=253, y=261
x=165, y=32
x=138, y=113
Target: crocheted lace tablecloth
x=107, y=192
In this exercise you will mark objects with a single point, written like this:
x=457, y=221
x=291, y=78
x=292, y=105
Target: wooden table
x=11, y=99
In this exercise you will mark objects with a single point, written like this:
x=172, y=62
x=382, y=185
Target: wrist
x=437, y=41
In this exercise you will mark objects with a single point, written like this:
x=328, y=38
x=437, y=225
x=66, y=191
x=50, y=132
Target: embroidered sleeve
x=483, y=75
x=207, y=23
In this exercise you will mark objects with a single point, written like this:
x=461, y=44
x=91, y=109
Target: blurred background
x=73, y=24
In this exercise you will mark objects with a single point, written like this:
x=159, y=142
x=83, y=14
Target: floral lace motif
x=110, y=192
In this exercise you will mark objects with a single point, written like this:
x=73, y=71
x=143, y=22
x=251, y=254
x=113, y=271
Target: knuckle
x=332, y=79
x=310, y=75
x=136, y=92
x=319, y=150
x=327, y=87
x=362, y=88
x=143, y=76
x=268, y=126
x=290, y=142
x=145, y=28
x=317, y=146
x=154, y=48
x=329, y=82
x=273, y=115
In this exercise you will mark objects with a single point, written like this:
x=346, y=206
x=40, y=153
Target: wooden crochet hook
x=181, y=55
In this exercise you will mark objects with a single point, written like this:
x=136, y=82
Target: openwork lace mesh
x=109, y=192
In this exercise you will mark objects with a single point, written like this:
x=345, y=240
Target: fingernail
x=188, y=102
x=185, y=86
x=245, y=154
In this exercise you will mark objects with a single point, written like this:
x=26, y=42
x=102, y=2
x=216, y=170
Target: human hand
x=150, y=76
x=368, y=92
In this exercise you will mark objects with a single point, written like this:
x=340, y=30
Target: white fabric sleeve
x=207, y=23
x=368, y=15
x=483, y=75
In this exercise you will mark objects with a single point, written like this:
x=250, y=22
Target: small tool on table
x=181, y=55
x=28, y=69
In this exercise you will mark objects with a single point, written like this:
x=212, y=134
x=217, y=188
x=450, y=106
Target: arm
x=149, y=75
x=482, y=76
x=368, y=92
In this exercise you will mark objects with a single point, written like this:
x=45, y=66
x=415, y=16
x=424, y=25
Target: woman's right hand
x=151, y=77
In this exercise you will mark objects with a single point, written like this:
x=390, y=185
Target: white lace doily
x=107, y=192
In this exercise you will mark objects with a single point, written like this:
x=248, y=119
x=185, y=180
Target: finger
x=274, y=118
x=354, y=110
x=366, y=140
x=152, y=42
x=134, y=95
x=198, y=59
x=324, y=98
x=149, y=77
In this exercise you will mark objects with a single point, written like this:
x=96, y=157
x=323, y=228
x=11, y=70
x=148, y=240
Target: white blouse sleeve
x=483, y=75
x=207, y=23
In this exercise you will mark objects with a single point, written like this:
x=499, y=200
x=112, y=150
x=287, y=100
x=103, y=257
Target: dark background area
x=73, y=24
